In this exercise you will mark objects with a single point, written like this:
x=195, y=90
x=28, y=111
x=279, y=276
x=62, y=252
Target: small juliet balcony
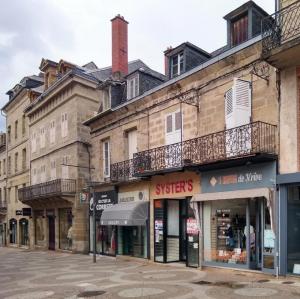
x=252, y=142
x=51, y=189
x=122, y=171
x=281, y=37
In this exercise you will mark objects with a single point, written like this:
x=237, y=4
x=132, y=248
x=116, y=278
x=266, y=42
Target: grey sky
x=80, y=31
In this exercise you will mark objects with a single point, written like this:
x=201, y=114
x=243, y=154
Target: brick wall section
x=119, y=45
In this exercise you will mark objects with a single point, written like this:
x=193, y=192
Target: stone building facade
x=3, y=203
x=16, y=163
x=184, y=130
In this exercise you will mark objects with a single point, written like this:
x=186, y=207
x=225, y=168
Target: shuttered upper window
x=239, y=31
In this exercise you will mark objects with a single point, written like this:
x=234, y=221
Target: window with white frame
x=64, y=124
x=33, y=142
x=34, y=176
x=106, y=158
x=43, y=173
x=65, y=168
x=106, y=99
x=177, y=64
x=52, y=131
x=53, y=169
x=42, y=137
x=133, y=87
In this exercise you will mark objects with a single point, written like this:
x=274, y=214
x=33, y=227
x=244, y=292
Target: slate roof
x=104, y=73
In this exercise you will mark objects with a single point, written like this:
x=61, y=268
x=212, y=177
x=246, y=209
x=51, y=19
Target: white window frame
x=106, y=158
x=52, y=131
x=43, y=173
x=106, y=100
x=52, y=169
x=33, y=142
x=179, y=70
x=65, y=169
x=133, y=88
x=64, y=124
x=43, y=137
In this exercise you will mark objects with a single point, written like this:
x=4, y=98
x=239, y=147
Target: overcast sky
x=80, y=31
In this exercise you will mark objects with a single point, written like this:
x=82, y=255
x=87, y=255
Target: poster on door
x=191, y=226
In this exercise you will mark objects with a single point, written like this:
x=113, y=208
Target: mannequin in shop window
x=69, y=237
x=230, y=242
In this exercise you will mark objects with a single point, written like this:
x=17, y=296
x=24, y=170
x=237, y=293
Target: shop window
x=39, y=228
x=23, y=225
x=293, y=230
x=224, y=227
x=13, y=231
x=65, y=229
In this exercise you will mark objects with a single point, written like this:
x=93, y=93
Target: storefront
x=289, y=223
x=130, y=219
x=174, y=227
x=23, y=229
x=13, y=229
x=2, y=234
x=105, y=236
x=238, y=217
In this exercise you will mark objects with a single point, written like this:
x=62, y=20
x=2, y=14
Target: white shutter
x=238, y=113
x=132, y=143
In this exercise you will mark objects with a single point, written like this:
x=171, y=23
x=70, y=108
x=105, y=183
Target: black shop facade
x=122, y=224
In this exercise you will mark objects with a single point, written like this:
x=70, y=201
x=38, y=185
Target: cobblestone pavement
x=37, y=274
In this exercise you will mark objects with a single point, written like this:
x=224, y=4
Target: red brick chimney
x=166, y=52
x=119, y=45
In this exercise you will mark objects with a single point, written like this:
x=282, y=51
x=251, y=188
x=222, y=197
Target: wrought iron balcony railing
x=239, y=142
x=57, y=187
x=281, y=27
x=121, y=171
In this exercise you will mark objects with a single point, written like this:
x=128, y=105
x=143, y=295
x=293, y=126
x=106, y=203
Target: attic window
x=133, y=87
x=177, y=64
x=239, y=30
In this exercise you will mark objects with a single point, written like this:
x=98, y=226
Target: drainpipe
x=277, y=5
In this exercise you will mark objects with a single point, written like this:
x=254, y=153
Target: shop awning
x=236, y=194
x=126, y=214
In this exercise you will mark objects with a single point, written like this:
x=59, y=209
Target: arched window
x=13, y=231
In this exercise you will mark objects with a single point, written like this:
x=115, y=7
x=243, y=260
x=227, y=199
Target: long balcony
x=281, y=36
x=246, y=141
x=252, y=142
x=50, y=189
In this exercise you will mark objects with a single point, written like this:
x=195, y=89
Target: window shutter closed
x=238, y=104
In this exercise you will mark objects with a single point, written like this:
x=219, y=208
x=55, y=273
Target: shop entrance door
x=51, y=225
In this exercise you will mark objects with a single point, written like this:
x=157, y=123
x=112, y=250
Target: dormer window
x=133, y=87
x=106, y=99
x=177, y=64
x=239, y=30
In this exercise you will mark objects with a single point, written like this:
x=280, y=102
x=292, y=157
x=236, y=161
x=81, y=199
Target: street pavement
x=26, y=274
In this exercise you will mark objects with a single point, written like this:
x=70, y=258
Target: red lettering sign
x=174, y=187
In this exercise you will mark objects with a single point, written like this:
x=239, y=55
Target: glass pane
x=173, y=231
x=293, y=230
x=224, y=223
x=108, y=236
x=65, y=229
x=159, y=230
x=169, y=123
x=178, y=121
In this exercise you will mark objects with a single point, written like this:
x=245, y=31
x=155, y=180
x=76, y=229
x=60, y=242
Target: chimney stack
x=119, y=46
x=166, y=52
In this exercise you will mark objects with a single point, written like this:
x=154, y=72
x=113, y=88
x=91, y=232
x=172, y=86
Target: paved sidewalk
x=37, y=274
